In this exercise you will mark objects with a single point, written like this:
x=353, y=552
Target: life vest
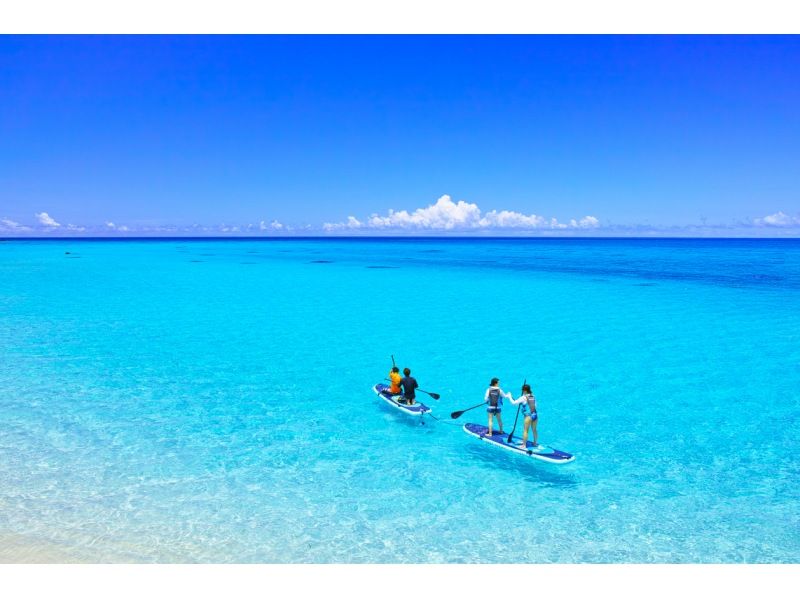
x=494, y=397
x=530, y=401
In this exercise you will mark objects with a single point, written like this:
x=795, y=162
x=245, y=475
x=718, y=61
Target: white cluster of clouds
x=46, y=224
x=778, y=219
x=274, y=225
x=263, y=227
x=45, y=220
x=447, y=215
x=9, y=225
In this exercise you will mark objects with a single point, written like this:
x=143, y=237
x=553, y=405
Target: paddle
x=457, y=414
x=510, y=436
x=394, y=365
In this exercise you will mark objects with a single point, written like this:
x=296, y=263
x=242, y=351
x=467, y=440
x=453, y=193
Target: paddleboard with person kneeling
x=396, y=401
x=401, y=392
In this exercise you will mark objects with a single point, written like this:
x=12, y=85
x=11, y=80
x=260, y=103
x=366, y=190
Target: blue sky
x=400, y=135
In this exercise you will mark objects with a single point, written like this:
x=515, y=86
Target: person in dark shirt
x=409, y=384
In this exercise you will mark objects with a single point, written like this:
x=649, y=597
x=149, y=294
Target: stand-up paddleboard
x=416, y=409
x=541, y=452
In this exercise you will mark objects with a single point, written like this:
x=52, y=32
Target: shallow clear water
x=204, y=400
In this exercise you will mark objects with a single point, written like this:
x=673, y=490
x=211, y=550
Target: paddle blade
x=457, y=414
x=435, y=395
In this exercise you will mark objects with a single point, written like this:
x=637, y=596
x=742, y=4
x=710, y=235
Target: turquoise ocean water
x=210, y=401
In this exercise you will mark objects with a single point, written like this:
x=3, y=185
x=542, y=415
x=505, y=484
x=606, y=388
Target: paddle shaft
x=516, y=417
x=510, y=436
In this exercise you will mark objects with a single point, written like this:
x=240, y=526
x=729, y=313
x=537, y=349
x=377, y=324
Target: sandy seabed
x=17, y=549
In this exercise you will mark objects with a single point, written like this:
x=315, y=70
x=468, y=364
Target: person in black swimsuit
x=409, y=385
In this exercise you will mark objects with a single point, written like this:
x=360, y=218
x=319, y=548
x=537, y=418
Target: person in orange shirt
x=395, y=378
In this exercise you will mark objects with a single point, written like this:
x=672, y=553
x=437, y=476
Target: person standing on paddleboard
x=409, y=385
x=494, y=399
x=395, y=379
x=528, y=402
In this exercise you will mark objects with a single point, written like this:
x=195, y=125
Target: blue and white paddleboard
x=417, y=409
x=541, y=452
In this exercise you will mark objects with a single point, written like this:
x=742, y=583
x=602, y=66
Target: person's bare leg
x=527, y=425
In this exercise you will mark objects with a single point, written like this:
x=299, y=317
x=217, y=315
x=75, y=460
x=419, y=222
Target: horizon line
x=389, y=237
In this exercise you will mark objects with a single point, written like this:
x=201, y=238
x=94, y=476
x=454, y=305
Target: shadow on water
x=411, y=421
x=320, y=262
x=729, y=279
x=526, y=468
x=631, y=269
